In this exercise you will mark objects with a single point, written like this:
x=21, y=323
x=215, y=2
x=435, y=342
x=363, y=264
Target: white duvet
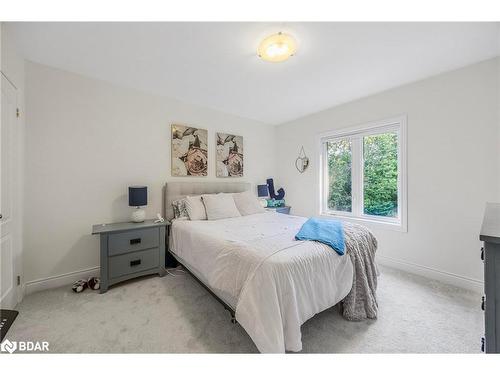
x=273, y=282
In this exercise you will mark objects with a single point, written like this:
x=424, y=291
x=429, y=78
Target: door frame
x=13, y=224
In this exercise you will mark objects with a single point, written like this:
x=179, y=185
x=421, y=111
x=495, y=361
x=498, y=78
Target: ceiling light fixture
x=277, y=47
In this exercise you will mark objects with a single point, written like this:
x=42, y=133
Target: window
x=363, y=173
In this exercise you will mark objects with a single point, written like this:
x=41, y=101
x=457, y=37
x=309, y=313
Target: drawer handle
x=482, y=344
x=134, y=263
x=482, y=303
x=135, y=241
x=482, y=253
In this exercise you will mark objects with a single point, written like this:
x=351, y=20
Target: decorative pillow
x=195, y=208
x=247, y=203
x=220, y=206
x=179, y=207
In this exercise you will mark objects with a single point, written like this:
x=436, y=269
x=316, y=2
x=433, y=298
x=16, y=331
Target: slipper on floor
x=79, y=286
x=94, y=283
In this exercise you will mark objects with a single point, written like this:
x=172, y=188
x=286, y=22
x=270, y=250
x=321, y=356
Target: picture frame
x=189, y=151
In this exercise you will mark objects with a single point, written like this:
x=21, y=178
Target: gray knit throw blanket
x=361, y=245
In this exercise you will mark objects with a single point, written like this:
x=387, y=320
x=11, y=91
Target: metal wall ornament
x=302, y=161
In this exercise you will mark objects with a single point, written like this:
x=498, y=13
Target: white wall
x=453, y=164
x=12, y=66
x=87, y=141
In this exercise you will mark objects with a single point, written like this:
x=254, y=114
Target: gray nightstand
x=280, y=210
x=130, y=250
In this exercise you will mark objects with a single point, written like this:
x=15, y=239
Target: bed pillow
x=247, y=203
x=220, y=206
x=179, y=207
x=195, y=208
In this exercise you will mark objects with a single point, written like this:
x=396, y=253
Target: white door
x=8, y=141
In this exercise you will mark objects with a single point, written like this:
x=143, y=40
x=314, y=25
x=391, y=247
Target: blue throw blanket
x=329, y=232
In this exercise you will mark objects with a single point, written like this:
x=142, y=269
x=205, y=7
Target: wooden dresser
x=490, y=253
x=130, y=250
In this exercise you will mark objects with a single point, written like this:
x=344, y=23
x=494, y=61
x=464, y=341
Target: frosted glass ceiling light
x=277, y=47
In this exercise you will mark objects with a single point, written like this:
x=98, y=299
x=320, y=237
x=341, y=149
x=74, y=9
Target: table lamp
x=263, y=193
x=137, y=197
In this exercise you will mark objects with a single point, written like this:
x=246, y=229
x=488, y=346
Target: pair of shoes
x=80, y=285
x=94, y=283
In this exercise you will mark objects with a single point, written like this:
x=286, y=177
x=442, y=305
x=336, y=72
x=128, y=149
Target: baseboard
x=432, y=273
x=59, y=280
x=417, y=269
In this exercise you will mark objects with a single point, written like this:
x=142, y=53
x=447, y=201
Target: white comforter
x=274, y=283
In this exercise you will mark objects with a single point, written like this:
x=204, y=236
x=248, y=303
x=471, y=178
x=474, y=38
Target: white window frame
x=356, y=134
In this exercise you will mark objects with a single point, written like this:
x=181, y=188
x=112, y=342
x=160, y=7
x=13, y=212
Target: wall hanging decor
x=302, y=161
x=279, y=195
x=189, y=151
x=229, y=155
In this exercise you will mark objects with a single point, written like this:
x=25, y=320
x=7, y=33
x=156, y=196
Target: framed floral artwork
x=229, y=155
x=189, y=151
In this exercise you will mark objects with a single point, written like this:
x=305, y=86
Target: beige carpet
x=176, y=315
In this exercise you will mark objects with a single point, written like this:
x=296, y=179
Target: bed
x=269, y=281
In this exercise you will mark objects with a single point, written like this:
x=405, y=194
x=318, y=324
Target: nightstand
x=280, y=210
x=131, y=250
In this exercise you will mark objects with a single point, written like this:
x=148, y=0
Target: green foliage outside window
x=339, y=174
x=380, y=185
x=381, y=175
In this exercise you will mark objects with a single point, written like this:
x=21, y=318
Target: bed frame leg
x=233, y=318
x=341, y=307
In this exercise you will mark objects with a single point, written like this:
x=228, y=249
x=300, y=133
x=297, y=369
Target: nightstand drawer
x=125, y=242
x=137, y=261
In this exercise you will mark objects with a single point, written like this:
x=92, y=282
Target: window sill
x=379, y=224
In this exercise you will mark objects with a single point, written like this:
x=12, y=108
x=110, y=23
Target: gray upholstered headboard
x=178, y=190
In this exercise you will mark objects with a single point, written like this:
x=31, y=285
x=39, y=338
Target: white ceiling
x=215, y=64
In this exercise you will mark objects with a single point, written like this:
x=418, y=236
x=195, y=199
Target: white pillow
x=220, y=206
x=195, y=208
x=247, y=203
